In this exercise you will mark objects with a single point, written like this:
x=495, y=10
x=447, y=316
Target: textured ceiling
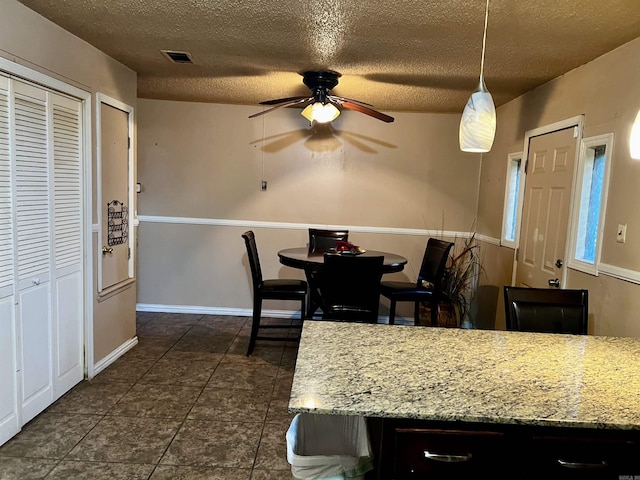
x=402, y=55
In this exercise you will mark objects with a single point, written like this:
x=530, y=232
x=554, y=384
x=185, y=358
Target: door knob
x=559, y=263
x=107, y=250
x=554, y=282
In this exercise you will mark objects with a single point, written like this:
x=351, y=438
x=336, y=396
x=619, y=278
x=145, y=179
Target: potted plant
x=458, y=284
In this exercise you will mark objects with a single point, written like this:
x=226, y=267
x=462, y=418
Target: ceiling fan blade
x=281, y=100
x=366, y=110
x=335, y=98
x=291, y=103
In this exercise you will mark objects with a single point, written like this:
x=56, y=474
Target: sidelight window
x=512, y=197
x=590, y=201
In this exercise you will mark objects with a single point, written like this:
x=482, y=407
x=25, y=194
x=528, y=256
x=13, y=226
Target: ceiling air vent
x=177, y=57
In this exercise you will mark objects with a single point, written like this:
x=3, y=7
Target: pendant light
x=478, y=122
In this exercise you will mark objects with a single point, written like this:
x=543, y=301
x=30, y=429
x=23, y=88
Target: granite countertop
x=484, y=376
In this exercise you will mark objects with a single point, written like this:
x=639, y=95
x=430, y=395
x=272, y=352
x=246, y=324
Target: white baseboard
x=234, y=312
x=113, y=356
x=202, y=310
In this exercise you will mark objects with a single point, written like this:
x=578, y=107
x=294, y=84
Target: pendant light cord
x=484, y=40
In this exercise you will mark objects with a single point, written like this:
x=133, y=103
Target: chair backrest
x=350, y=287
x=547, y=310
x=434, y=262
x=321, y=241
x=254, y=260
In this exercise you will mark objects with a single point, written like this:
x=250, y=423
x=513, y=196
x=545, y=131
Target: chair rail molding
x=620, y=273
x=305, y=226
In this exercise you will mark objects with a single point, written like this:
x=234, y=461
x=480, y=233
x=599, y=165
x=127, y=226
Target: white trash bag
x=328, y=447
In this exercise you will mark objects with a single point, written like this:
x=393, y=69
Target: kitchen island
x=455, y=398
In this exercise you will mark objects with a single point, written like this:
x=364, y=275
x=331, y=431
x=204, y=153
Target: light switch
x=622, y=233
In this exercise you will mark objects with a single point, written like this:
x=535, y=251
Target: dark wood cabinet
x=413, y=449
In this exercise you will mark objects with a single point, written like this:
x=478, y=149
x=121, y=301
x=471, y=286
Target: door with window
x=546, y=209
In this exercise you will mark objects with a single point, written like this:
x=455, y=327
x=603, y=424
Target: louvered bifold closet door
x=8, y=380
x=67, y=242
x=6, y=201
x=33, y=235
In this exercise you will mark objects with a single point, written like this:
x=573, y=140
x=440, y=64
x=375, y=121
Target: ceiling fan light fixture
x=321, y=104
x=320, y=113
x=478, y=122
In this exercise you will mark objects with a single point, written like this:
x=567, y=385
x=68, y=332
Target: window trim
x=511, y=158
x=605, y=140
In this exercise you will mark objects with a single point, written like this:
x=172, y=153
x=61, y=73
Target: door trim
x=578, y=123
x=112, y=102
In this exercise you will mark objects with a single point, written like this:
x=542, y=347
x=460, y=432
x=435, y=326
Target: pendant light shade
x=321, y=113
x=478, y=122
x=634, y=140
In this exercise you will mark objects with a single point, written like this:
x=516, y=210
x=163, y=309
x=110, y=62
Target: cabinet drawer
x=439, y=453
x=572, y=457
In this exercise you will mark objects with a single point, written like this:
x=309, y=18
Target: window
x=590, y=199
x=512, y=197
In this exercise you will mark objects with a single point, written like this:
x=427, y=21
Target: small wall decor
x=118, y=223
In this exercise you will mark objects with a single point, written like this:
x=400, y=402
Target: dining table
x=312, y=263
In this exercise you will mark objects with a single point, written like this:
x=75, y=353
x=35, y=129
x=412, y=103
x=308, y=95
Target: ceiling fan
x=321, y=106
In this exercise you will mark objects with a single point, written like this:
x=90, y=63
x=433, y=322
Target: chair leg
x=303, y=309
x=392, y=312
x=255, y=325
x=416, y=313
x=434, y=314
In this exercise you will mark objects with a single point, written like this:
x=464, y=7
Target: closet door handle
x=36, y=281
x=107, y=250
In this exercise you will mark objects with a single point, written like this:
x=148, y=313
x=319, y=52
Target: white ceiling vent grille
x=177, y=57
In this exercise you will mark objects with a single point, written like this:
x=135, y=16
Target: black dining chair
x=350, y=287
x=427, y=288
x=548, y=310
x=272, y=289
x=321, y=241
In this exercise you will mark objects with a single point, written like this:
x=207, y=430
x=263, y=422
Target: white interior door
x=546, y=209
x=114, y=145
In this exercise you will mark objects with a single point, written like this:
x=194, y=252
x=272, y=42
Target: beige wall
x=207, y=161
x=607, y=92
x=28, y=39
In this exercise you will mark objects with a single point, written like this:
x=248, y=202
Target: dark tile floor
x=185, y=403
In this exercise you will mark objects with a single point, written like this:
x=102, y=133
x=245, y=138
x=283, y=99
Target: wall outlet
x=263, y=186
x=621, y=236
